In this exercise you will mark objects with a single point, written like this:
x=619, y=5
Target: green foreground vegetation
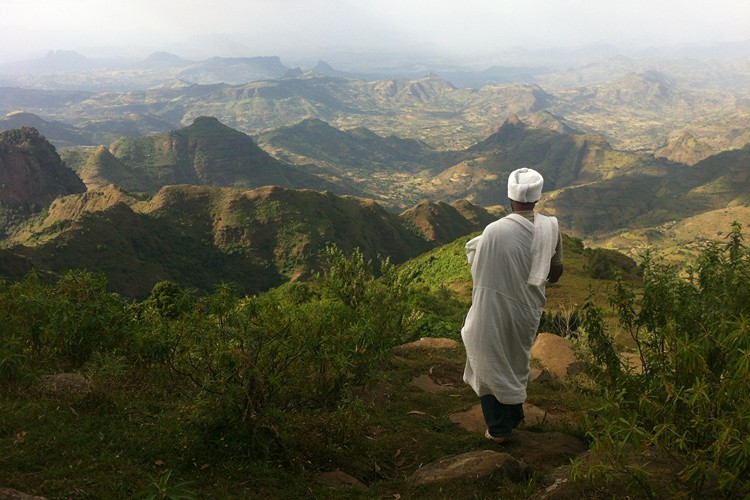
x=229, y=396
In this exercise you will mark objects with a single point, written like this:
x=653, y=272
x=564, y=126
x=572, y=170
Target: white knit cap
x=525, y=185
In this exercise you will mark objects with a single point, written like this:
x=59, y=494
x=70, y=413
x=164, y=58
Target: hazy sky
x=277, y=27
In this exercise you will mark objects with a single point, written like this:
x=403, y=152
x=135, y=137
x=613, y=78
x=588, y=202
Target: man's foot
x=497, y=439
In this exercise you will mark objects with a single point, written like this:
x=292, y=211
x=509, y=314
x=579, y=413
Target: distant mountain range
x=57, y=69
x=191, y=208
x=636, y=107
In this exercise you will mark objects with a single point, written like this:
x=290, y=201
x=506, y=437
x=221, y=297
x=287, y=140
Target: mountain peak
x=164, y=60
x=512, y=121
x=33, y=173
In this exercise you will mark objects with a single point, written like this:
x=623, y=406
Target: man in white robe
x=510, y=263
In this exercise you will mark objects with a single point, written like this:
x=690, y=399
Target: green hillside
x=200, y=236
x=643, y=199
x=383, y=168
x=446, y=267
x=205, y=153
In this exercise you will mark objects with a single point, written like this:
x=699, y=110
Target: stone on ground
x=11, y=494
x=65, y=383
x=555, y=354
x=473, y=421
x=338, y=478
x=472, y=465
x=428, y=343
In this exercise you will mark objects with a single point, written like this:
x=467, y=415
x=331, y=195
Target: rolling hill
x=200, y=236
x=272, y=234
x=596, y=190
x=204, y=153
x=58, y=133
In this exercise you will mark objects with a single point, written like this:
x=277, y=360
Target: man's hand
x=555, y=271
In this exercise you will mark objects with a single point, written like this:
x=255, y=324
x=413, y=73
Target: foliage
x=166, y=490
x=564, y=323
x=691, y=399
x=278, y=369
x=57, y=326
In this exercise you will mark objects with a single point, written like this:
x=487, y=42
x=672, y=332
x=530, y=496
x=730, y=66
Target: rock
x=32, y=172
x=472, y=465
x=441, y=377
x=426, y=383
x=661, y=468
x=428, y=343
x=540, y=375
x=555, y=354
x=558, y=485
x=533, y=415
x=473, y=421
x=545, y=450
x=11, y=494
x=65, y=383
x=338, y=478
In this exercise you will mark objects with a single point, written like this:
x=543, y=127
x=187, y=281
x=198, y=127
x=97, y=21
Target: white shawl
x=501, y=324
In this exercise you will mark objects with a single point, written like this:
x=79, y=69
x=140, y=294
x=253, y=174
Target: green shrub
x=288, y=358
x=57, y=326
x=692, y=334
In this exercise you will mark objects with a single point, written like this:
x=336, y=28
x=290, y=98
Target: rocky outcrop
x=64, y=384
x=31, y=172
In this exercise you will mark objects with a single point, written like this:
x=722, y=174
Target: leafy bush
x=289, y=358
x=57, y=326
x=692, y=334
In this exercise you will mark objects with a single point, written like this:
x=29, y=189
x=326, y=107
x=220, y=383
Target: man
x=510, y=263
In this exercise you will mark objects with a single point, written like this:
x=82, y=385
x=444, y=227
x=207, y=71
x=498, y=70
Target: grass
x=133, y=435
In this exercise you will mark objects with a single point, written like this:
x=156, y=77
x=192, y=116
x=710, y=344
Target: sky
x=30, y=28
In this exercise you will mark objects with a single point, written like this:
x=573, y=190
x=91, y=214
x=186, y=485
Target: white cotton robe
x=501, y=324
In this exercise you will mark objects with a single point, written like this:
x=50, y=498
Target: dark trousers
x=501, y=418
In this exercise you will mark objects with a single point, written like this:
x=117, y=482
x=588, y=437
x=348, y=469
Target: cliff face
x=32, y=174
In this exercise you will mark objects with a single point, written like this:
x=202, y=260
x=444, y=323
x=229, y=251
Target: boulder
x=473, y=421
x=555, y=354
x=427, y=384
